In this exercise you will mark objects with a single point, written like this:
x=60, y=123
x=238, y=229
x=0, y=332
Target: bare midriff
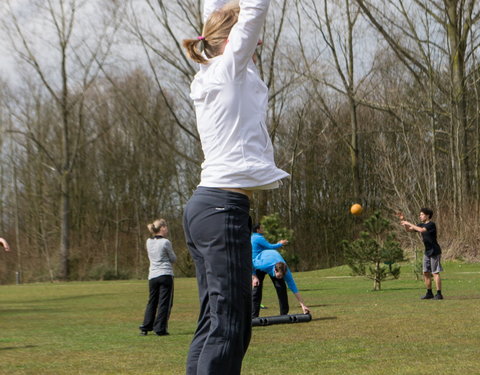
x=248, y=193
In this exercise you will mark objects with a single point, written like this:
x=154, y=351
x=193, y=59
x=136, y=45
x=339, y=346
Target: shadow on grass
x=18, y=347
x=324, y=318
x=475, y=296
x=29, y=309
x=405, y=288
x=57, y=299
x=171, y=333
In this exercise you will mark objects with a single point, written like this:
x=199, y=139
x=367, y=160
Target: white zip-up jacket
x=231, y=105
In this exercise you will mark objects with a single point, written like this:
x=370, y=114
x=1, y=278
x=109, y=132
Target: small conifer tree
x=375, y=253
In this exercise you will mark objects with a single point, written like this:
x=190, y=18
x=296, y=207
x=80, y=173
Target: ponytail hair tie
x=201, y=39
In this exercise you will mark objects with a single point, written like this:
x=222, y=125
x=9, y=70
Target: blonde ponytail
x=154, y=227
x=191, y=45
x=215, y=34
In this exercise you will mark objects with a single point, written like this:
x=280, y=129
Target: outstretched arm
x=4, y=243
x=264, y=244
x=412, y=227
x=299, y=298
x=293, y=287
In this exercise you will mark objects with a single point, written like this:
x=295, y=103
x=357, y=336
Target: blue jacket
x=266, y=262
x=259, y=243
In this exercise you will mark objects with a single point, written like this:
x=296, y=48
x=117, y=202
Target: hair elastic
x=200, y=37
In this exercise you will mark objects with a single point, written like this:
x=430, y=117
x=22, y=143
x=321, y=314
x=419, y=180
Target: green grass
x=91, y=328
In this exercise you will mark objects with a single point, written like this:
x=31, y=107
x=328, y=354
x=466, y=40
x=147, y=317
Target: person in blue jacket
x=259, y=244
x=272, y=263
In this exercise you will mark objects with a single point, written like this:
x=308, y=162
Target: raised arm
x=245, y=35
x=211, y=6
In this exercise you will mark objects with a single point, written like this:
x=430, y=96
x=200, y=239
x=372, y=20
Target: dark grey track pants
x=217, y=229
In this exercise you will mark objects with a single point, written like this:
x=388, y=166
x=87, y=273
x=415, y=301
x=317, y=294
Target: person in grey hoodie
x=160, y=280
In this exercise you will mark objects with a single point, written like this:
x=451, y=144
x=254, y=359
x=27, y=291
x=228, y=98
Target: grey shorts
x=432, y=264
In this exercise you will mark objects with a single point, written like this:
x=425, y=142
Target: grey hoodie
x=161, y=256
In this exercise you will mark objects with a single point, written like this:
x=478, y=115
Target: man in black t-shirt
x=431, y=259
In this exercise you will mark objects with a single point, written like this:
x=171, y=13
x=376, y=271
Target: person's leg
x=427, y=277
x=257, y=294
x=438, y=282
x=151, y=309
x=436, y=269
x=203, y=323
x=219, y=226
x=164, y=304
x=282, y=295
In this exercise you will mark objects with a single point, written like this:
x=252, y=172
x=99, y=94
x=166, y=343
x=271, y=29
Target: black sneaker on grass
x=438, y=296
x=162, y=333
x=428, y=296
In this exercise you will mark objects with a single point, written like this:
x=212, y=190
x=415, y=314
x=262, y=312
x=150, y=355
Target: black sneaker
x=143, y=330
x=428, y=296
x=164, y=333
x=438, y=296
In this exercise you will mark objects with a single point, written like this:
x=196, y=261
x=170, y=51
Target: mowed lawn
x=92, y=328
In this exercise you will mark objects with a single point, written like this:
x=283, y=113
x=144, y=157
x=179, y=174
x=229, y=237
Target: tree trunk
x=459, y=105
x=376, y=280
x=65, y=227
x=354, y=151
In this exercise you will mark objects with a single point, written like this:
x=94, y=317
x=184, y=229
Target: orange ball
x=356, y=209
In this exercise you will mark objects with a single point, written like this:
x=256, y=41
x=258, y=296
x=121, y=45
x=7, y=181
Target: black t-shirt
x=432, y=247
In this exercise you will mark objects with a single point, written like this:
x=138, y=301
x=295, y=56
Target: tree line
x=375, y=102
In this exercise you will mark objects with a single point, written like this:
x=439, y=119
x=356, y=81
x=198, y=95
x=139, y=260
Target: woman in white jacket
x=231, y=104
x=160, y=280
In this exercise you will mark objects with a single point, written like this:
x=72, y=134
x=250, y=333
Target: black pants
x=281, y=289
x=217, y=229
x=160, y=303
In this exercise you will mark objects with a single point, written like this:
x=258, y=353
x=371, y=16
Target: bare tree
x=338, y=27
x=77, y=62
x=398, y=23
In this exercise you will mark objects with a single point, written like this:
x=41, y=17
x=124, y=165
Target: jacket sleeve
x=211, y=6
x=170, y=252
x=244, y=37
x=264, y=244
x=290, y=282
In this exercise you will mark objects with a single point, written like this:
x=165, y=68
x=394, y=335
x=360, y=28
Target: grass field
x=91, y=328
